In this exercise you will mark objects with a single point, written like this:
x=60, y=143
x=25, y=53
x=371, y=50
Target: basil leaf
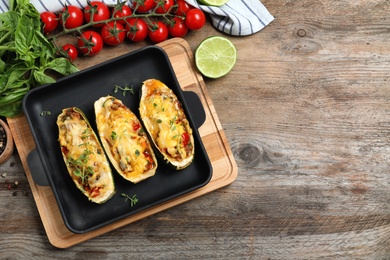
x=12, y=109
x=43, y=46
x=62, y=66
x=10, y=20
x=14, y=74
x=42, y=78
x=23, y=35
x=13, y=97
x=2, y=65
x=26, y=56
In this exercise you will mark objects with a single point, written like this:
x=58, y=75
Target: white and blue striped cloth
x=236, y=17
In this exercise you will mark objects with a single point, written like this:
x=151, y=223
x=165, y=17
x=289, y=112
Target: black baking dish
x=42, y=105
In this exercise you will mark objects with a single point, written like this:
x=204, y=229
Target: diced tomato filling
x=136, y=126
x=95, y=192
x=150, y=162
x=185, y=138
x=64, y=150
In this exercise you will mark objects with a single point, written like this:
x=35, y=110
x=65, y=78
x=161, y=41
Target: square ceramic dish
x=42, y=106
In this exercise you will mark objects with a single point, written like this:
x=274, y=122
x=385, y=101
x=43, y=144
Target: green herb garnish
x=45, y=113
x=113, y=135
x=124, y=89
x=80, y=165
x=133, y=200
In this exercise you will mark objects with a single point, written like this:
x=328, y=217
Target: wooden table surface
x=306, y=113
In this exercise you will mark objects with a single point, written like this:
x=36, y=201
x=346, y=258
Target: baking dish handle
x=36, y=169
x=196, y=107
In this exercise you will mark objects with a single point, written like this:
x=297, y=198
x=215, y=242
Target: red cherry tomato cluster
x=156, y=20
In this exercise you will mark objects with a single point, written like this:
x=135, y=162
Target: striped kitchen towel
x=236, y=17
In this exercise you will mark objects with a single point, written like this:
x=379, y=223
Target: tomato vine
x=162, y=18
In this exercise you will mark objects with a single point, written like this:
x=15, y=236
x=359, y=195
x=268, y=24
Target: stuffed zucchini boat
x=124, y=140
x=84, y=156
x=167, y=124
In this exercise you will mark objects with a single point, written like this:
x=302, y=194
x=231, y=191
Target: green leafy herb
x=133, y=200
x=26, y=56
x=80, y=165
x=45, y=113
x=86, y=133
x=124, y=90
x=172, y=123
x=113, y=135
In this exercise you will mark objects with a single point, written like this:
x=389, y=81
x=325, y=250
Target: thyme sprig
x=124, y=89
x=82, y=169
x=133, y=199
x=116, y=136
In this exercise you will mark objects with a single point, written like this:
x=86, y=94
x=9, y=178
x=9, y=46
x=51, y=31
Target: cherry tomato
x=90, y=43
x=113, y=33
x=159, y=33
x=195, y=19
x=182, y=8
x=185, y=139
x=50, y=21
x=179, y=29
x=137, y=29
x=101, y=13
x=123, y=11
x=165, y=7
x=70, y=51
x=72, y=15
x=144, y=7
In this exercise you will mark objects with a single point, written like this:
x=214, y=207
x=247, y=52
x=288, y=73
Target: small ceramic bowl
x=9, y=144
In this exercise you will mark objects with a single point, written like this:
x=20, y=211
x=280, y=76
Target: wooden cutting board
x=213, y=137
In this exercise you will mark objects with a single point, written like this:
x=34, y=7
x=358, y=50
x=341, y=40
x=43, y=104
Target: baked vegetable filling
x=84, y=156
x=124, y=139
x=166, y=122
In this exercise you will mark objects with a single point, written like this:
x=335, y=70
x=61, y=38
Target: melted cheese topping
x=84, y=156
x=128, y=143
x=165, y=119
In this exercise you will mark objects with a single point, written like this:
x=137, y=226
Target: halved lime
x=214, y=2
x=215, y=57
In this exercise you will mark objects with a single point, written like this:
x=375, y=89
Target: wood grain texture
x=306, y=113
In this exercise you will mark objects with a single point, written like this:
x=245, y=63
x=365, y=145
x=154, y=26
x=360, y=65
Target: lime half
x=215, y=57
x=214, y=2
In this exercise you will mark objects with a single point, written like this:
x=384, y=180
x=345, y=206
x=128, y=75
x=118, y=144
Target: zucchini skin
x=123, y=138
x=166, y=123
x=84, y=156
